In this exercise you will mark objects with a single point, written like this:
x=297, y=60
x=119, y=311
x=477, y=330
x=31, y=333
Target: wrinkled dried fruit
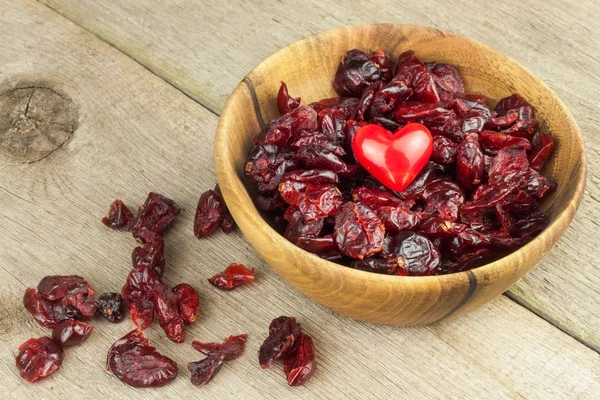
x=39, y=358
x=299, y=364
x=152, y=253
x=542, y=148
x=469, y=162
x=71, y=332
x=138, y=294
x=188, y=302
x=415, y=254
x=283, y=333
x=138, y=364
x=412, y=71
x=167, y=312
x=285, y=102
x=209, y=213
x=204, y=370
x=111, y=307
x=155, y=214
x=358, y=231
x=119, y=217
x=230, y=349
x=355, y=73
x=233, y=276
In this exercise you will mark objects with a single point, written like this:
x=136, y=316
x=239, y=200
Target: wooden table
x=143, y=83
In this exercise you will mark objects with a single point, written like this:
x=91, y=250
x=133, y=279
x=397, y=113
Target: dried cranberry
x=111, y=307
x=385, y=64
x=355, y=73
x=399, y=218
x=376, y=265
x=204, y=370
x=278, y=131
x=469, y=261
x=323, y=246
x=283, y=333
x=209, y=213
x=415, y=254
x=318, y=157
x=152, y=253
x=233, y=276
x=38, y=358
x=299, y=364
x=444, y=150
x=469, y=162
x=432, y=172
x=71, y=332
x=374, y=198
x=524, y=128
x=358, y=231
x=56, y=287
x=138, y=294
x=529, y=226
x=167, y=312
x=285, y=102
x=426, y=113
x=41, y=309
x=492, y=142
x=188, y=302
x=514, y=104
x=443, y=198
x=542, y=148
x=474, y=112
x=319, y=139
x=447, y=80
x=119, y=217
x=266, y=164
x=412, y=71
x=138, y=364
x=155, y=214
x=269, y=202
x=230, y=349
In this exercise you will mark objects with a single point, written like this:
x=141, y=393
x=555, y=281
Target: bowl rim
x=495, y=268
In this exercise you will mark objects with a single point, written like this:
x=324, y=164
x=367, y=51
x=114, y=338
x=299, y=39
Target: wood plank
x=136, y=133
x=206, y=50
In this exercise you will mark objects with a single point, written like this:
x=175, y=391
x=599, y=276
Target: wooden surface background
x=144, y=83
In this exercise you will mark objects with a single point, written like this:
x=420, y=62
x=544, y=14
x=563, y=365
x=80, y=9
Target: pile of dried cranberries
x=469, y=197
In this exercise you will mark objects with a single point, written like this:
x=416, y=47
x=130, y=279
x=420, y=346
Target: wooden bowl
x=308, y=67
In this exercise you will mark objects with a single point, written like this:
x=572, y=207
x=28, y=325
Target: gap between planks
x=210, y=107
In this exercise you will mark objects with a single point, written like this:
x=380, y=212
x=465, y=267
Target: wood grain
x=136, y=133
x=557, y=43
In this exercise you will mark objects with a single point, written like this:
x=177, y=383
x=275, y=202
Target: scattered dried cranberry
x=138, y=294
x=209, y=213
x=204, y=370
x=167, y=313
x=59, y=298
x=233, y=276
x=283, y=333
x=111, y=307
x=299, y=364
x=71, y=332
x=119, y=217
x=138, y=364
x=228, y=224
x=156, y=214
x=152, y=253
x=38, y=358
x=188, y=302
x=230, y=349
x=355, y=73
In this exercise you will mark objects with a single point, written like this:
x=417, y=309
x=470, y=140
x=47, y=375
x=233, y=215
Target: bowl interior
x=308, y=67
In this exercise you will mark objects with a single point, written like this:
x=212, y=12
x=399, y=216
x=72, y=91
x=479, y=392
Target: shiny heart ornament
x=394, y=159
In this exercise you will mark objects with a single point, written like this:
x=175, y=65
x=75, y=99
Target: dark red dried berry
x=412, y=71
x=285, y=102
x=299, y=364
x=71, y=332
x=492, y=142
x=38, y=358
x=447, y=81
x=42, y=309
x=415, y=254
x=111, y=307
x=355, y=73
x=233, y=276
x=469, y=162
x=152, y=253
x=156, y=214
x=230, y=349
x=283, y=333
x=228, y=224
x=167, y=312
x=204, y=370
x=138, y=294
x=209, y=213
x=375, y=198
x=444, y=150
x=138, y=364
x=542, y=148
x=56, y=286
x=188, y=302
x=266, y=164
x=119, y=217
x=358, y=231
x=385, y=64
x=317, y=157
x=399, y=218
x=323, y=246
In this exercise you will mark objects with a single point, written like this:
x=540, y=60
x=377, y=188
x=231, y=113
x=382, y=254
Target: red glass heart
x=394, y=159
